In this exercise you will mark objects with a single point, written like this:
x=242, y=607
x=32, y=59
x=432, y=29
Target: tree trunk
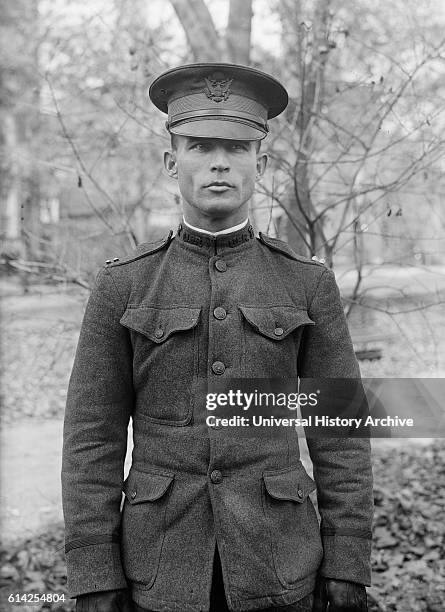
x=31, y=226
x=203, y=39
x=239, y=31
x=10, y=188
x=20, y=130
x=199, y=29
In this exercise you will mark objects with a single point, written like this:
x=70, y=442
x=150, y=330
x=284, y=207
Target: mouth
x=219, y=186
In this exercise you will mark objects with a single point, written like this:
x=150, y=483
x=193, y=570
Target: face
x=216, y=178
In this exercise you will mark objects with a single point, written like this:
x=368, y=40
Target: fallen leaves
x=35, y=566
x=408, y=558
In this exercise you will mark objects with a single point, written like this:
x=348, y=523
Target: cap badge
x=218, y=87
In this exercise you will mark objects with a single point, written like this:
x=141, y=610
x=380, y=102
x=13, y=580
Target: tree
x=19, y=126
x=91, y=132
x=348, y=144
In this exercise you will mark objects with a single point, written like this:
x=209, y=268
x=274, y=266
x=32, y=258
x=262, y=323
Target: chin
x=219, y=208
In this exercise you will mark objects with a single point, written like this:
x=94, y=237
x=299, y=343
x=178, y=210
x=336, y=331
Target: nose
x=220, y=160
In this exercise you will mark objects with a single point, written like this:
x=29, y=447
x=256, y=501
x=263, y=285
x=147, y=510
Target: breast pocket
x=143, y=524
x=165, y=361
x=292, y=523
x=271, y=339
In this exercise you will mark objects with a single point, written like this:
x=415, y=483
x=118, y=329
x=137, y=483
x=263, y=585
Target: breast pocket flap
x=158, y=324
x=146, y=487
x=276, y=322
x=294, y=484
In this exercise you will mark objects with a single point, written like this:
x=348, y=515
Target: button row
x=216, y=477
x=218, y=367
x=220, y=313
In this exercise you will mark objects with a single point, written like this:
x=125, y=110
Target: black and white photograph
x=222, y=306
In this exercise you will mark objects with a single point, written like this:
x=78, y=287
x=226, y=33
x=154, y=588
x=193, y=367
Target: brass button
x=278, y=331
x=218, y=367
x=219, y=313
x=220, y=265
x=159, y=333
x=300, y=493
x=216, y=477
x=133, y=494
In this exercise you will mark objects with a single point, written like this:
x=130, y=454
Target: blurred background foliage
x=357, y=160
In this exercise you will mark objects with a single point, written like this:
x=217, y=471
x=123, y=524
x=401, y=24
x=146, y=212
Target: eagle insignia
x=218, y=87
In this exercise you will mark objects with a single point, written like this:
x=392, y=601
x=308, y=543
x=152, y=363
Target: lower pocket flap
x=294, y=484
x=144, y=486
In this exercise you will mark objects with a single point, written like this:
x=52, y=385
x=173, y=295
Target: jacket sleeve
x=342, y=464
x=99, y=405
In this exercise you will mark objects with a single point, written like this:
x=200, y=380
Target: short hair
x=174, y=142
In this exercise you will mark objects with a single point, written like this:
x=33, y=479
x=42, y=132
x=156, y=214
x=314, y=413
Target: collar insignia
x=218, y=87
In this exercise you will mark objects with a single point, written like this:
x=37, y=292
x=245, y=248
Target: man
x=211, y=519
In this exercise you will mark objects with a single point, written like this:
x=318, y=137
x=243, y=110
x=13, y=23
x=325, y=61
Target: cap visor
x=217, y=128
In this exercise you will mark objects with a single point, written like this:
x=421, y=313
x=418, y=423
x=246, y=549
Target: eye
x=239, y=146
x=200, y=146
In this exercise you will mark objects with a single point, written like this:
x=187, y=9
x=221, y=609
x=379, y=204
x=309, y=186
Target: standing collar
x=186, y=233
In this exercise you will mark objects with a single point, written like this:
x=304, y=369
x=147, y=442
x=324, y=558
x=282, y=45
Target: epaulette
x=142, y=250
x=282, y=247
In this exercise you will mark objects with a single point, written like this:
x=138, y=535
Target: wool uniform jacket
x=178, y=314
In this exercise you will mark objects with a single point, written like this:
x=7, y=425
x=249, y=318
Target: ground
x=38, y=343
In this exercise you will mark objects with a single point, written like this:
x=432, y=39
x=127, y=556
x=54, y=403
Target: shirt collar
x=228, y=230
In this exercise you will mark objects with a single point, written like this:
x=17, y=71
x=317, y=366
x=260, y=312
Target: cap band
x=236, y=102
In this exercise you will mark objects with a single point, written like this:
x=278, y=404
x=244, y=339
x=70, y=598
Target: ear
x=170, y=164
x=261, y=163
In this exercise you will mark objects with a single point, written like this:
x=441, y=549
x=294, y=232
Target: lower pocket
x=143, y=524
x=292, y=523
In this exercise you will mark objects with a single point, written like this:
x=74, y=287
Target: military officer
x=211, y=519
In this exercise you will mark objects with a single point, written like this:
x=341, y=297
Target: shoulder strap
x=282, y=247
x=142, y=250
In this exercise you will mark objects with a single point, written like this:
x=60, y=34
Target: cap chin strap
x=221, y=115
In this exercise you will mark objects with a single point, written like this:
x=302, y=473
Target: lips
x=219, y=186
